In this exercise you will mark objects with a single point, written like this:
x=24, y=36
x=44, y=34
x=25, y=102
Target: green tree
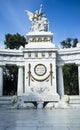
x=70, y=74
x=69, y=42
x=10, y=80
x=70, y=71
x=14, y=41
x=11, y=72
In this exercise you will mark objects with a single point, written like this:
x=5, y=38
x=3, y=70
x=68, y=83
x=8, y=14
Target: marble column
x=1, y=81
x=79, y=77
x=60, y=81
x=20, y=81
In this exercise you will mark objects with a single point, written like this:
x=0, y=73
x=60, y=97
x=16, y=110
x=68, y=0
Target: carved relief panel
x=40, y=77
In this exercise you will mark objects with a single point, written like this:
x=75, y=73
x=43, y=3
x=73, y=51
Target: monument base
x=38, y=100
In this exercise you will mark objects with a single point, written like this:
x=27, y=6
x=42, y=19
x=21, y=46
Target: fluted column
x=60, y=81
x=79, y=78
x=1, y=81
x=20, y=81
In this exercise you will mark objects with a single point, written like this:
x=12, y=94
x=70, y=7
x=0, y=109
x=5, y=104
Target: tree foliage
x=69, y=42
x=70, y=71
x=11, y=72
x=70, y=74
x=10, y=80
x=14, y=41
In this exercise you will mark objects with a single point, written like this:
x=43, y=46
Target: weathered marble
x=55, y=119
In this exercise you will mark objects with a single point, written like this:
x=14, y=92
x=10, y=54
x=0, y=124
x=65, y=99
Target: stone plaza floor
x=40, y=119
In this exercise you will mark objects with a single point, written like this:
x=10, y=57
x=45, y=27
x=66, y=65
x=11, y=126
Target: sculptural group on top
x=38, y=20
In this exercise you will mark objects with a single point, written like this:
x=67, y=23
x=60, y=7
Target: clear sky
x=63, y=16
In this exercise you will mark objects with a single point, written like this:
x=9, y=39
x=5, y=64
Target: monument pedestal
x=40, y=105
x=40, y=70
x=37, y=99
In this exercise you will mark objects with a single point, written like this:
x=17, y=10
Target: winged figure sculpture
x=30, y=14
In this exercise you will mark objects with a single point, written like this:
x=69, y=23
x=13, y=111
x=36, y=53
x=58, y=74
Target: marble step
x=74, y=99
x=5, y=100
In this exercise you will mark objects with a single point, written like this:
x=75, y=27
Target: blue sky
x=63, y=16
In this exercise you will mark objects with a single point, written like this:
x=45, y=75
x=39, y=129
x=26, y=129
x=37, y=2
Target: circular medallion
x=40, y=69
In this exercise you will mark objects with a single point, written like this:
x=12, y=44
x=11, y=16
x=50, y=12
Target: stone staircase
x=5, y=101
x=74, y=101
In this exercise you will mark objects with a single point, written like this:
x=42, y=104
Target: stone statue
x=38, y=19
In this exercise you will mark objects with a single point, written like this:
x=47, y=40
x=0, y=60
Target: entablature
x=62, y=56
x=11, y=56
x=68, y=56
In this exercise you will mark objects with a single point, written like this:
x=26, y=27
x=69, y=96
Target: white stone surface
x=1, y=81
x=20, y=81
x=78, y=44
x=40, y=69
x=68, y=56
x=74, y=99
x=79, y=77
x=40, y=105
x=42, y=45
x=50, y=105
x=38, y=33
x=60, y=81
x=41, y=85
x=54, y=119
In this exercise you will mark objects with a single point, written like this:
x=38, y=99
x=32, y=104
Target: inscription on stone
x=40, y=69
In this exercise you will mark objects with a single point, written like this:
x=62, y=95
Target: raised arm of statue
x=30, y=14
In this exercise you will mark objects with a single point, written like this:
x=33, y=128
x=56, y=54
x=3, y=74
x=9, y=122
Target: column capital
x=78, y=64
x=2, y=64
x=20, y=65
x=60, y=65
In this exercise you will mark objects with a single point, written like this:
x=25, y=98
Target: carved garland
x=31, y=77
x=40, y=80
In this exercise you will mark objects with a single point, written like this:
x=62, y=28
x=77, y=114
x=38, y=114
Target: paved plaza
x=40, y=119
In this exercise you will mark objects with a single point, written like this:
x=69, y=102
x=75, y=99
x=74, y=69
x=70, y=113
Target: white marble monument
x=40, y=62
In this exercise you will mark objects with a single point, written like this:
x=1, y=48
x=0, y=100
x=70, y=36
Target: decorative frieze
x=29, y=55
x=37, y=54
x=39, y=39
x=43, y=54
x=50, y=54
